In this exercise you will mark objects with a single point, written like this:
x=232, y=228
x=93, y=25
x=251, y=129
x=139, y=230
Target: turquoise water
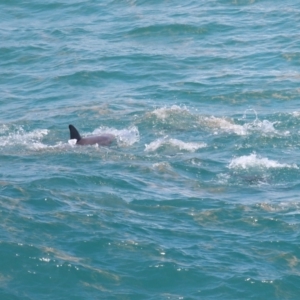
x=198, y=197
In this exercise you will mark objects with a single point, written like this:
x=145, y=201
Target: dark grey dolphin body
x=102, y=140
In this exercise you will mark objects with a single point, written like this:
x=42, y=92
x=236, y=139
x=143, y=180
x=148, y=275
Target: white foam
x=164, y=112
x=296, y=113
x=3, y=128
x=21, y=137
x=253, y=161
x=186, y=146
x=264, y=126
x=38, y=146
x=125, y=137
x=154, y=145
x=191, y=147
x=30, y=140
x=162, y=166
x=72, y=142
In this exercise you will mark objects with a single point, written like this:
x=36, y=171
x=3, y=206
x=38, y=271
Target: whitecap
x=164, y=112
x=192, y=147
x=228, y=125
x=188, y=146
x=154, y=145
x=253, y=161
x=296, y=113
x=3, y=128
x=38, y=146
x=264, y=126
x=21, y=137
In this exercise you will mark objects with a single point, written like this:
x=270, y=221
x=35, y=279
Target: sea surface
x=197, y=197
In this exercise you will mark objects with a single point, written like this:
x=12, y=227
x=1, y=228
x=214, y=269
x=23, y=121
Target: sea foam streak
x=253, y=161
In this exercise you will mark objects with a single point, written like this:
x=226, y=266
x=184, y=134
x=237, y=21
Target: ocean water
x=198, y=197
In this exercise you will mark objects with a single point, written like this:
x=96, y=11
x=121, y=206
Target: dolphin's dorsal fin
x=74, y=134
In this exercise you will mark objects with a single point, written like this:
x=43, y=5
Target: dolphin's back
x=102, y=140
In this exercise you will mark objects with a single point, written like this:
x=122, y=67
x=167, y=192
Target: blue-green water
x=198, y=198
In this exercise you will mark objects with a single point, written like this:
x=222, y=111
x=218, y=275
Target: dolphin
x=102, y=140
